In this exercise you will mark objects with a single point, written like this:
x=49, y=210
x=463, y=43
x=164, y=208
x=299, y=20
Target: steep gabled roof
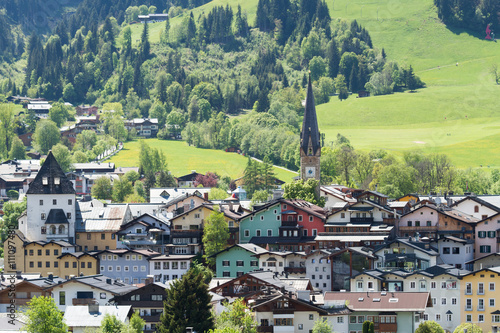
x=479, y=201
x=56, y=216
x=54, y=178
x=310, y=130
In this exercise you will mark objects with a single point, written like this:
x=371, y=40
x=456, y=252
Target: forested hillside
x=470, y=14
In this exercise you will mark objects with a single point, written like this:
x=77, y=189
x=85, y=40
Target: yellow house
x=96, y=229
x=77, y=264
x=480, y=302
x=14, y=252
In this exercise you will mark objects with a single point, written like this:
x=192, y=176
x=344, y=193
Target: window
x=434, y=301
x=247, y=233
x=47, y=264
x=496, y=319
x=468, y=304
x=456, y=250
x=468, y=318
x=47, y=252
x=175, y=265
x=299, y=218
x=443, y=300
x=239, y=263
x=126, y=268
x=480, y=318
x=340, y=320
x=480, y=305
x=446, y=250
x=481, y=234
x=417, y=223
x=54, y=201
x=342, y=215
x=443, y=285
x=157, y=297
x=166, y=265
x=75, y=264
x=62, y=298
x=43, y=230
x=352, y=319
x=492, y=286
x=225, y=274
x=448, y=317
x=311, y=317
x=157, y=265
x=39, y=264
x=492, y=234
x=89, y=236
x=103, y=236
x=480, y=288
x=257, y=232
x=255, y=263
x=409, y=223
x=70, y=202
x=315, y=232
x=32, y=264
x=413, y=284
x=438, y=317
x=361, y=319
x=43, y=216
x=311, y=218
x=433, y=285
x=492, y=302
x=453, y=301
x=225, y=263
x=468, y=288
x=269, y=233
x=283, y=322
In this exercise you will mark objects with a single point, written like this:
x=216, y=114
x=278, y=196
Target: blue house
x=129, y=266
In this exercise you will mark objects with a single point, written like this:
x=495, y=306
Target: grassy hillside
x=182, y=158
x=456, y=114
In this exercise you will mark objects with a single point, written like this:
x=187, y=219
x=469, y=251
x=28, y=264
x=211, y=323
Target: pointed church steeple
x=310, y=144
x=310, y=137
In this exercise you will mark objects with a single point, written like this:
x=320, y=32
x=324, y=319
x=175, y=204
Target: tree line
x=469, y=14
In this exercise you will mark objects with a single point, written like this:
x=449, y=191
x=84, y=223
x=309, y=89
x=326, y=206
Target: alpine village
x=306, y=166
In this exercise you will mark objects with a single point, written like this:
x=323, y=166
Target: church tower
x=51, y=205
x=310, y=144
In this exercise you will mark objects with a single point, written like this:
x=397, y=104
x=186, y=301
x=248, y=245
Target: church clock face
x=310, y=172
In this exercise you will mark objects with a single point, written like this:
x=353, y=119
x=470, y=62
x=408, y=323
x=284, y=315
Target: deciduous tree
x=429, y=326
x=46, y=135
x=102, y=188
x=215, y=234
x=43, y=316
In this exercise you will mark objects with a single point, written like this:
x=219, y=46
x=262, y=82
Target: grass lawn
x=182, y=158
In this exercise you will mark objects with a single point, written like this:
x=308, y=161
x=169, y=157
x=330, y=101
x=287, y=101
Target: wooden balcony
x=265, y=329
x=284, y=311
x=295, y=270
x=418, y=229
x=83, y=301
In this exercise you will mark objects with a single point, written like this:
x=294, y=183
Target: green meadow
x=182, y=159
x=457, y=114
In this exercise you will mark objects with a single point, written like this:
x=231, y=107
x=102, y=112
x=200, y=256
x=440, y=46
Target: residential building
x=148, y=300
x=166, y=194
x=129, y=266
x=476, y=206
x=152, y=18
x=145, y=232
x=406, y=254
x=487, y=238
x=145, y=128
x=237, y=260
x=263, y=221
x=480, y=298
x=41, y=108
x=80, y=319
x=488, y=261
x=455, y=251
x=86, y=110
x=390, y=312
x=98, y=224
x=169, y=267
x=85, y=290
x=187, y=180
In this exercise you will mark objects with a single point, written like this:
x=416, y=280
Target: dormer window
x=57, y=180
x=45, y=180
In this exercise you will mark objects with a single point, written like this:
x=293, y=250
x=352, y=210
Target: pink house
x=487, y=236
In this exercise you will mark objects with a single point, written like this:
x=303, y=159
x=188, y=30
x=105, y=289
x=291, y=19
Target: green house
x=264, y=221
x=237, y=260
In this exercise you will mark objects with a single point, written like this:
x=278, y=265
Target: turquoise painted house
x=237, y=260
x=264, y=221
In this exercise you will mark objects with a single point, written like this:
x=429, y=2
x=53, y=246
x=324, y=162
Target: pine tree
x=251, y=177
x=411, y=81
x=187, y=305
x=145, y=46
x=267, y=174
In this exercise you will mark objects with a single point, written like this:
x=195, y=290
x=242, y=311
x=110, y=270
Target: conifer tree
x=187, y=305
x=145, y=46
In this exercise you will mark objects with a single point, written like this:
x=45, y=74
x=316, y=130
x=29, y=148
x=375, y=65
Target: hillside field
x=457, y=114
x=182, y=159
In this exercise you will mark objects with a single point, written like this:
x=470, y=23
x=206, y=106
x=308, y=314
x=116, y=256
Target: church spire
x=310, y=132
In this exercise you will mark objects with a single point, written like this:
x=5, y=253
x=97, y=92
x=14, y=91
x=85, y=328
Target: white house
x=455, y=251
x=82, y=318
x=170, y=267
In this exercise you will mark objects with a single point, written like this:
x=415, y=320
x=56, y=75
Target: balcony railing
x=289, y=223
x=362, y=219
x=265, y=329
x=468, y=308
x=83, y=301
x=295, y=270
x=290, y=310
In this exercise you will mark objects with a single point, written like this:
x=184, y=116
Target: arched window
x=476, y=209
x=52, y=229
x=62, y=229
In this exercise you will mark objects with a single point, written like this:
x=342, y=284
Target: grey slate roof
x=51, y=170
x=79, y=316
x=56, y=216
x=104, y=283
x=310, y=123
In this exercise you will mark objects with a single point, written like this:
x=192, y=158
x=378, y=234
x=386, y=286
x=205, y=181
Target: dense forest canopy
x=470, y=14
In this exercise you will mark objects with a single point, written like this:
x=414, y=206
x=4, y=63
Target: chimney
x=149, y=279
x=94, y=308
x=108, y=281
x=205, y=196
x=51, y=276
